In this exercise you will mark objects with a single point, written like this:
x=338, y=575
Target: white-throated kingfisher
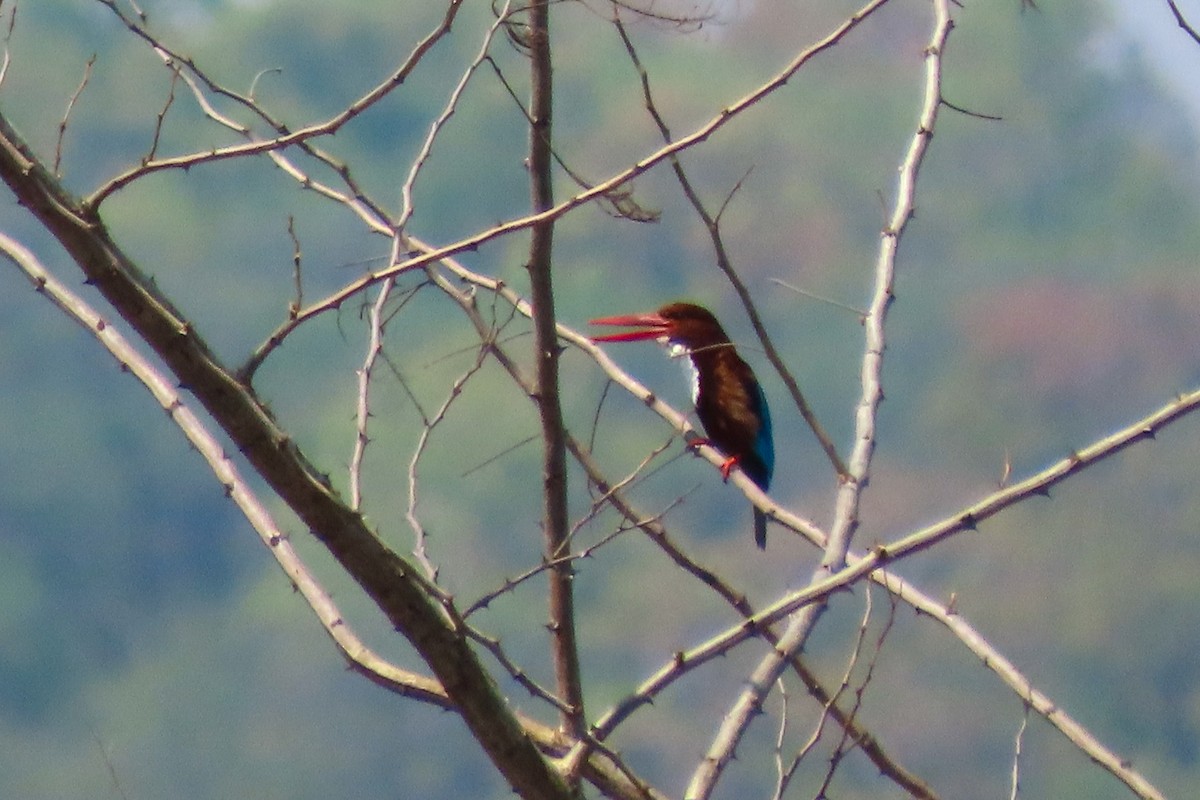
x=730, y=403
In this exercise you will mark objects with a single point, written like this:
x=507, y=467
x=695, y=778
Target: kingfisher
x=728, y=399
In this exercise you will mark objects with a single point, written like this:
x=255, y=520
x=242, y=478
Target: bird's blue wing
x=764, y=442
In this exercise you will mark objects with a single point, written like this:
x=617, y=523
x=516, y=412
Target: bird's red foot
x=727, y=467
x=694, y=441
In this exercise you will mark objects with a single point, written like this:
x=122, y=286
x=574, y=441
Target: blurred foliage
x=1045, y=295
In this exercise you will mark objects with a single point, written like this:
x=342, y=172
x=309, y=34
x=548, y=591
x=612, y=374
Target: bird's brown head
x=685, y=324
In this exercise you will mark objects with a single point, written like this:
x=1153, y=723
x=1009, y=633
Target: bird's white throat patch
x=677, y=350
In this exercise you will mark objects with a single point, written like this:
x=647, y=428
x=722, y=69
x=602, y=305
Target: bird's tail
x=760, y=529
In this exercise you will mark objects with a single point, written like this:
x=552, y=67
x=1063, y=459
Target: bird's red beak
x=653, y=327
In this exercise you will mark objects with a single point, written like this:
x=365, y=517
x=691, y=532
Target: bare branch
x=618, y=201
x=603, y=769
x=509, y=585
x=259, y=76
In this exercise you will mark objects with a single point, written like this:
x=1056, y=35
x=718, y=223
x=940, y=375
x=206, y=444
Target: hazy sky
x=1165, y=45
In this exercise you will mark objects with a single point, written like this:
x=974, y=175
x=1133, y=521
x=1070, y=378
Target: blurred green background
x=1046, y=294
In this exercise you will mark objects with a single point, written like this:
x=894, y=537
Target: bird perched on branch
x=730, y=403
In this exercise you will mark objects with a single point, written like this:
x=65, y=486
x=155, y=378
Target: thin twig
x=421, y=550
x=846, y=744
x=62, y=124
x=617, y=202
x=786, y=775
x=109, y=765
x=1015, y=789
x=297, y=261
x=858, y=312
x=161, y=117
x=406, y=192
x=6, y=57
x=362, y=409
x=259, y=76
